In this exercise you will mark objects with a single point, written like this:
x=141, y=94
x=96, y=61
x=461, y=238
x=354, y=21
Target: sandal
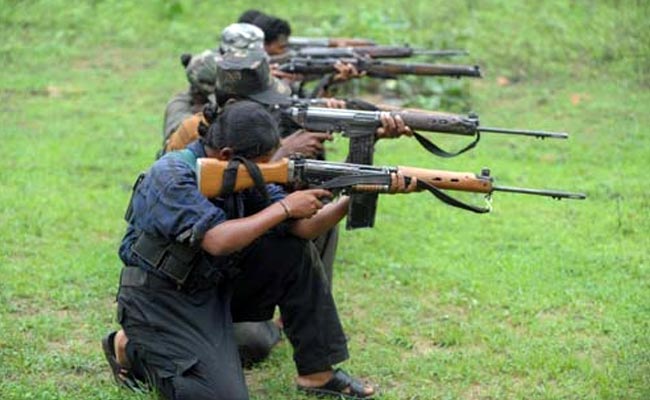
x=335, y=387
x=123, y=377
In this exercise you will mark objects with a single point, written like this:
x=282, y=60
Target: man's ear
x=225, y=154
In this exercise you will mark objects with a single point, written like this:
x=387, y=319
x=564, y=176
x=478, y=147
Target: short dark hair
x=273, y=27
x=246, y=127
x=249, y=16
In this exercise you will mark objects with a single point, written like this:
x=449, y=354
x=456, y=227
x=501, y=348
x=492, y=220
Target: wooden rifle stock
x=210, y=171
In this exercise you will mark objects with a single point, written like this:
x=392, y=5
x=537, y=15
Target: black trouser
x=256, y=339
x=326, y=245
x=182, y=340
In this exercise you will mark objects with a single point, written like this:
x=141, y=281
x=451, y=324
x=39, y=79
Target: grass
x=537, y=300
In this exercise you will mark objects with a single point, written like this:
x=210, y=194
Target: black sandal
x=123, y=377
x=336, y=387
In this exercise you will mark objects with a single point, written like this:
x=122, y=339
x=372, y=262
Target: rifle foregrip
x=209, y=172
x=461, y=181
x=437, y=122
x=387, y=68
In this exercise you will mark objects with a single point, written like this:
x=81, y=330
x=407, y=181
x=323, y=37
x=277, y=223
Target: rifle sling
x=230, y=177
x=447, y=199
x=322, y=86
x=434, y=149
x=374, y=179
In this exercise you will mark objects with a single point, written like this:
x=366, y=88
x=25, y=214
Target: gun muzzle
x=525, y=132
x=556, y=194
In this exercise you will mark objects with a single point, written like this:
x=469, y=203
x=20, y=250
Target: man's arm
x=307, y=143
x=324, y=220
x=233, y=235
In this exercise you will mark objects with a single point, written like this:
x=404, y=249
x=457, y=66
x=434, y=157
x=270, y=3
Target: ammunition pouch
x=175, y=260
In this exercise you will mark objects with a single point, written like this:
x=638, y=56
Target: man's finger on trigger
x=321, y=193
x=322, y=136
x=315, y=145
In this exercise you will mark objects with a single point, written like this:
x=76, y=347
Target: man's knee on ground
x=255, y=340
x=186, y=388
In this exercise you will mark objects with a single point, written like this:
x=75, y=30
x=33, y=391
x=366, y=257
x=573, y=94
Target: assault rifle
x=357, y=178
x=365, y=51
x=376, y=52
x=377, y=68
x=360, y=127
x=301, y=41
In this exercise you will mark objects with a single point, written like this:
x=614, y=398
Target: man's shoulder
x=183, y=99
x=172, y=164
x=182, y=96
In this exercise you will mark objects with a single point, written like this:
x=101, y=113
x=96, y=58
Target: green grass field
x=538, y=300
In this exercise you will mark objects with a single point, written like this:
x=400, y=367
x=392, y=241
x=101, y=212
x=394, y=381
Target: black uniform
x=177, y=303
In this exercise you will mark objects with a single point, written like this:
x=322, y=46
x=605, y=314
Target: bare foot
x=119, y=343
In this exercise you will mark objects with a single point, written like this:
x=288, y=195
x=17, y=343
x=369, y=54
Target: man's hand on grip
x=306, y=203
x=392, y=126
x=306, y=143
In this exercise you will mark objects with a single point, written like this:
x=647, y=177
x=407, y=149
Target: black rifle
x=357, y=178
x=360, y=127
x=377, y=68
x=374, y=52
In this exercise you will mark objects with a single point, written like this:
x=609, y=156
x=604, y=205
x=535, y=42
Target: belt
x=134, y=276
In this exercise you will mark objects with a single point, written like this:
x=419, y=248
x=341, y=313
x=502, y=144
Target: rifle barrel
x=440, y=53
x=541, y=192
x=524, y=132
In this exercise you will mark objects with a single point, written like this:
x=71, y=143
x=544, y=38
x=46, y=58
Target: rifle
x=374, y=52
x=345, y=178
x=377, y=68
x=360, y=127
x=301, y=41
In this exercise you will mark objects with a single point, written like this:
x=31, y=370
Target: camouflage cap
x=201, y=71
x=241, y=38
x=249, y=75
